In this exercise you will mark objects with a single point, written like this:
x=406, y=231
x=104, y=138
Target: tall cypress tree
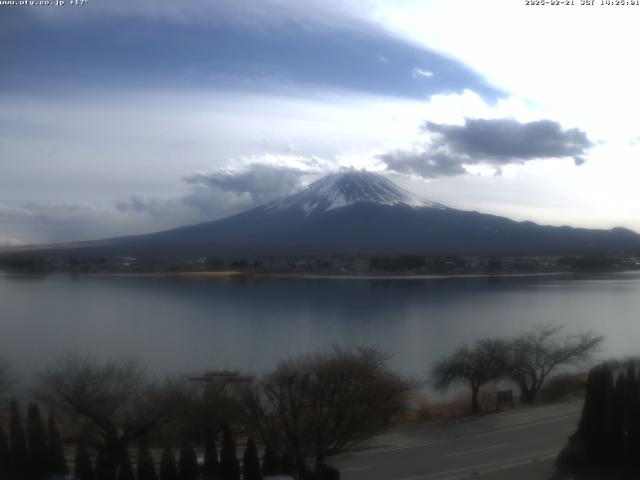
x=617, y=444
x=609, y=428
x=146, y=467
x=38, y=461
x=83, y=467
x=188, y=462
x=605, y=441
x=105, y=468
x=168, y=468
x=125, y=470
x=595, y=428
x=270, y=464
x=630, y=393
x=211, y=466
x=5, y=455
x=55, y=449
x=250, y=462
x=634, y=421
x=288, y=464
x=585, y=423
x=631, y=405
x=18, y=443
x=229, y=465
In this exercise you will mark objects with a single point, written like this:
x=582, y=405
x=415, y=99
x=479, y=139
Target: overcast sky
x=122, y=117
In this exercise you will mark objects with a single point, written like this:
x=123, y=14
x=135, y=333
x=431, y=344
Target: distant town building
x=217, y=381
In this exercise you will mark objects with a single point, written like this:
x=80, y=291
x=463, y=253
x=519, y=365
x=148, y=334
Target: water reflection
x=194, y=324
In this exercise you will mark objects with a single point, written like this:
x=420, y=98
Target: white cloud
x=421, y=73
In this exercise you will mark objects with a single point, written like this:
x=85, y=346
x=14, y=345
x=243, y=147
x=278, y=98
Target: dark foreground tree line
x=36, y=453
x=290, y=421
x=526, y=361
x=607, y=441
x=307, y=409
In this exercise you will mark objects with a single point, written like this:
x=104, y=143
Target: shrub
x=146, y=467
x=251, y=463
x=560, y=387
x=55, y=449
x=270, y=463
x=18, y=443
x=168, y=468
x=229, y=465
x=211, y=465
x=38, y=461
x=125, y=470
x=4, y=455
x=83, y=466
x=188, y=462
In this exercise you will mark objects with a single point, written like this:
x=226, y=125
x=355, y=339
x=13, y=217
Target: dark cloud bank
x=234, y=52
x=496, y=142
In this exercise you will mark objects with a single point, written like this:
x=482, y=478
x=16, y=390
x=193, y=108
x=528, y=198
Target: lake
x=194, y=324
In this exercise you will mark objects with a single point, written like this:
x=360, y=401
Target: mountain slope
x=362, y=212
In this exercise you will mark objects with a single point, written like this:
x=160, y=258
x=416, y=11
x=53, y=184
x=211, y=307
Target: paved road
x=521, y=445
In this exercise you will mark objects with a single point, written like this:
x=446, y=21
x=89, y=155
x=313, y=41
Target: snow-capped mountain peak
x=340, y=189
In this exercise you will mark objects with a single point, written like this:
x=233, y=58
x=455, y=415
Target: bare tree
x=322, y=404
x=207, y=409
x=475, y=365
x=111, y=402
x=534, y=355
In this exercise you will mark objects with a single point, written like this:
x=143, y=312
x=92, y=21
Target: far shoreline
x=232, y=274
x=352, y=276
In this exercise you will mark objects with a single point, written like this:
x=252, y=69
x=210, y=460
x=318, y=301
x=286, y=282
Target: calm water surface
x=249, y=324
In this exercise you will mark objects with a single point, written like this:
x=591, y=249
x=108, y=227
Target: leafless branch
x=321, y=404
x=534, y=355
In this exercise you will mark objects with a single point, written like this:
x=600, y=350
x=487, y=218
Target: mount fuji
x=339, y=190
x=359, y=212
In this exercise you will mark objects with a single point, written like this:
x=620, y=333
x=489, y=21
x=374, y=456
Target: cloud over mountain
x=261, y=182
x=228, y=190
